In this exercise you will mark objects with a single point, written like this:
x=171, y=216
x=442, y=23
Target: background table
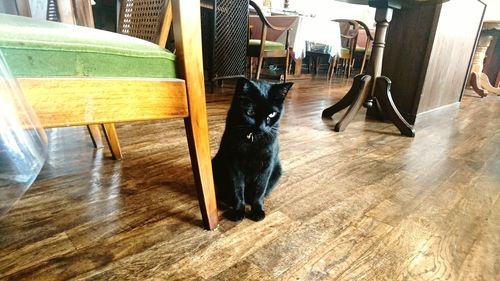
x=313, y=30
x=304, y=30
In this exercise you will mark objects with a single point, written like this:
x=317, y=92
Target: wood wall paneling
x=451, y=53
x=428, y=52
x=407, y=54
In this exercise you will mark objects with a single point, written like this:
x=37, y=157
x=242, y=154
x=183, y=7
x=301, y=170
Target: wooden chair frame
x=79, y=12
x=61, y=102
x=368, y=44
x=269, y=54
x=351, y=45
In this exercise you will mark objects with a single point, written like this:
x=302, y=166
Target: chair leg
x=362, y=70
x=186, y=23
x=287, y=62
x=351, y=65
x=329, y=70
x=259, y=67
x=347, y=63
x=250, y=59
x=316, y=67
x=112, y=139
x=332, y=67
x=95, y=135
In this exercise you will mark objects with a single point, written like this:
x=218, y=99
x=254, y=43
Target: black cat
x=247, y=166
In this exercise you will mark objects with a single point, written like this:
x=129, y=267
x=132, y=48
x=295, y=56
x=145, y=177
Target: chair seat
x=254, y=45
x=362, y=50
x=34, y=48
x=344, y=51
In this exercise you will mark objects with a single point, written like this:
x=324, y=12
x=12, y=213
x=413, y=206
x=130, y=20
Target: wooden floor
x=365, y=204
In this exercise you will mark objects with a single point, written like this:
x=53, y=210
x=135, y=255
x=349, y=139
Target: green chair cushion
x=35, y=48
x=344, y=51
x=270, y=45
x=362, y=50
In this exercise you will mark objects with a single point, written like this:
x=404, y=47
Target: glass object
x=23, y=143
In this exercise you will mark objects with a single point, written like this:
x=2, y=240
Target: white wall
x=492, y=9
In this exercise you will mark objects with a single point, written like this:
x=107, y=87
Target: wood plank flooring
x=365, y=204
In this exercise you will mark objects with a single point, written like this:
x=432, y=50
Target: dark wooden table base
x=372, y=89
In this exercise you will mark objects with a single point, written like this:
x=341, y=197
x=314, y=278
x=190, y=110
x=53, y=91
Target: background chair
x=90, y=76
x=363, y=45
x=349, y=35
x=260, y=48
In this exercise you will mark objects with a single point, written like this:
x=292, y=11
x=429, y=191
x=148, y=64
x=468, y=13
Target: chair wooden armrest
x=367, y=30
x=264, y=20
x=263, y=52
x=369, y=40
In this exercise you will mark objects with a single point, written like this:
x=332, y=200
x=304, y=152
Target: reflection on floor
x=365, y=204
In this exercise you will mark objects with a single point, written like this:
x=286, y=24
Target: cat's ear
x=279, y=91
x=243, y=86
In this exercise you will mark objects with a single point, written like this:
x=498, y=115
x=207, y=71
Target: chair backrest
x=364, y=38
x=146, y=19
x=349, y=30
x=266, y=24
x=260, y=14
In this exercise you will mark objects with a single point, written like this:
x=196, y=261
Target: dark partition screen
x=225, y=38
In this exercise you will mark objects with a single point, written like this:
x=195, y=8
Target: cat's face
x=257, y=108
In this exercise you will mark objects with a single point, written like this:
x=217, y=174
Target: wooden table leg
x=385, y=103
x=359, y=82
x=363, y=92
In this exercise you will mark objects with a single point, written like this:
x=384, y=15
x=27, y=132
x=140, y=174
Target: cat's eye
x=250, y=112
x=272, y=114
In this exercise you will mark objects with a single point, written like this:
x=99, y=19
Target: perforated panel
x=142, y=18
x=52, y=10
x=231, y=38
x=225, y=38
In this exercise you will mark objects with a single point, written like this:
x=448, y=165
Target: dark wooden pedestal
x=426, y=61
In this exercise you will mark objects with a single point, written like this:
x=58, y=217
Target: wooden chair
x=261, y=48
x=349, y=34
x=147, y=18
x=90, y=76
x=79, y=12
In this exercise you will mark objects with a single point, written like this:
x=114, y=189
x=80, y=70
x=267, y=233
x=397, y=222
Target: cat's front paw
x=235, y=215
x=257, y=215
